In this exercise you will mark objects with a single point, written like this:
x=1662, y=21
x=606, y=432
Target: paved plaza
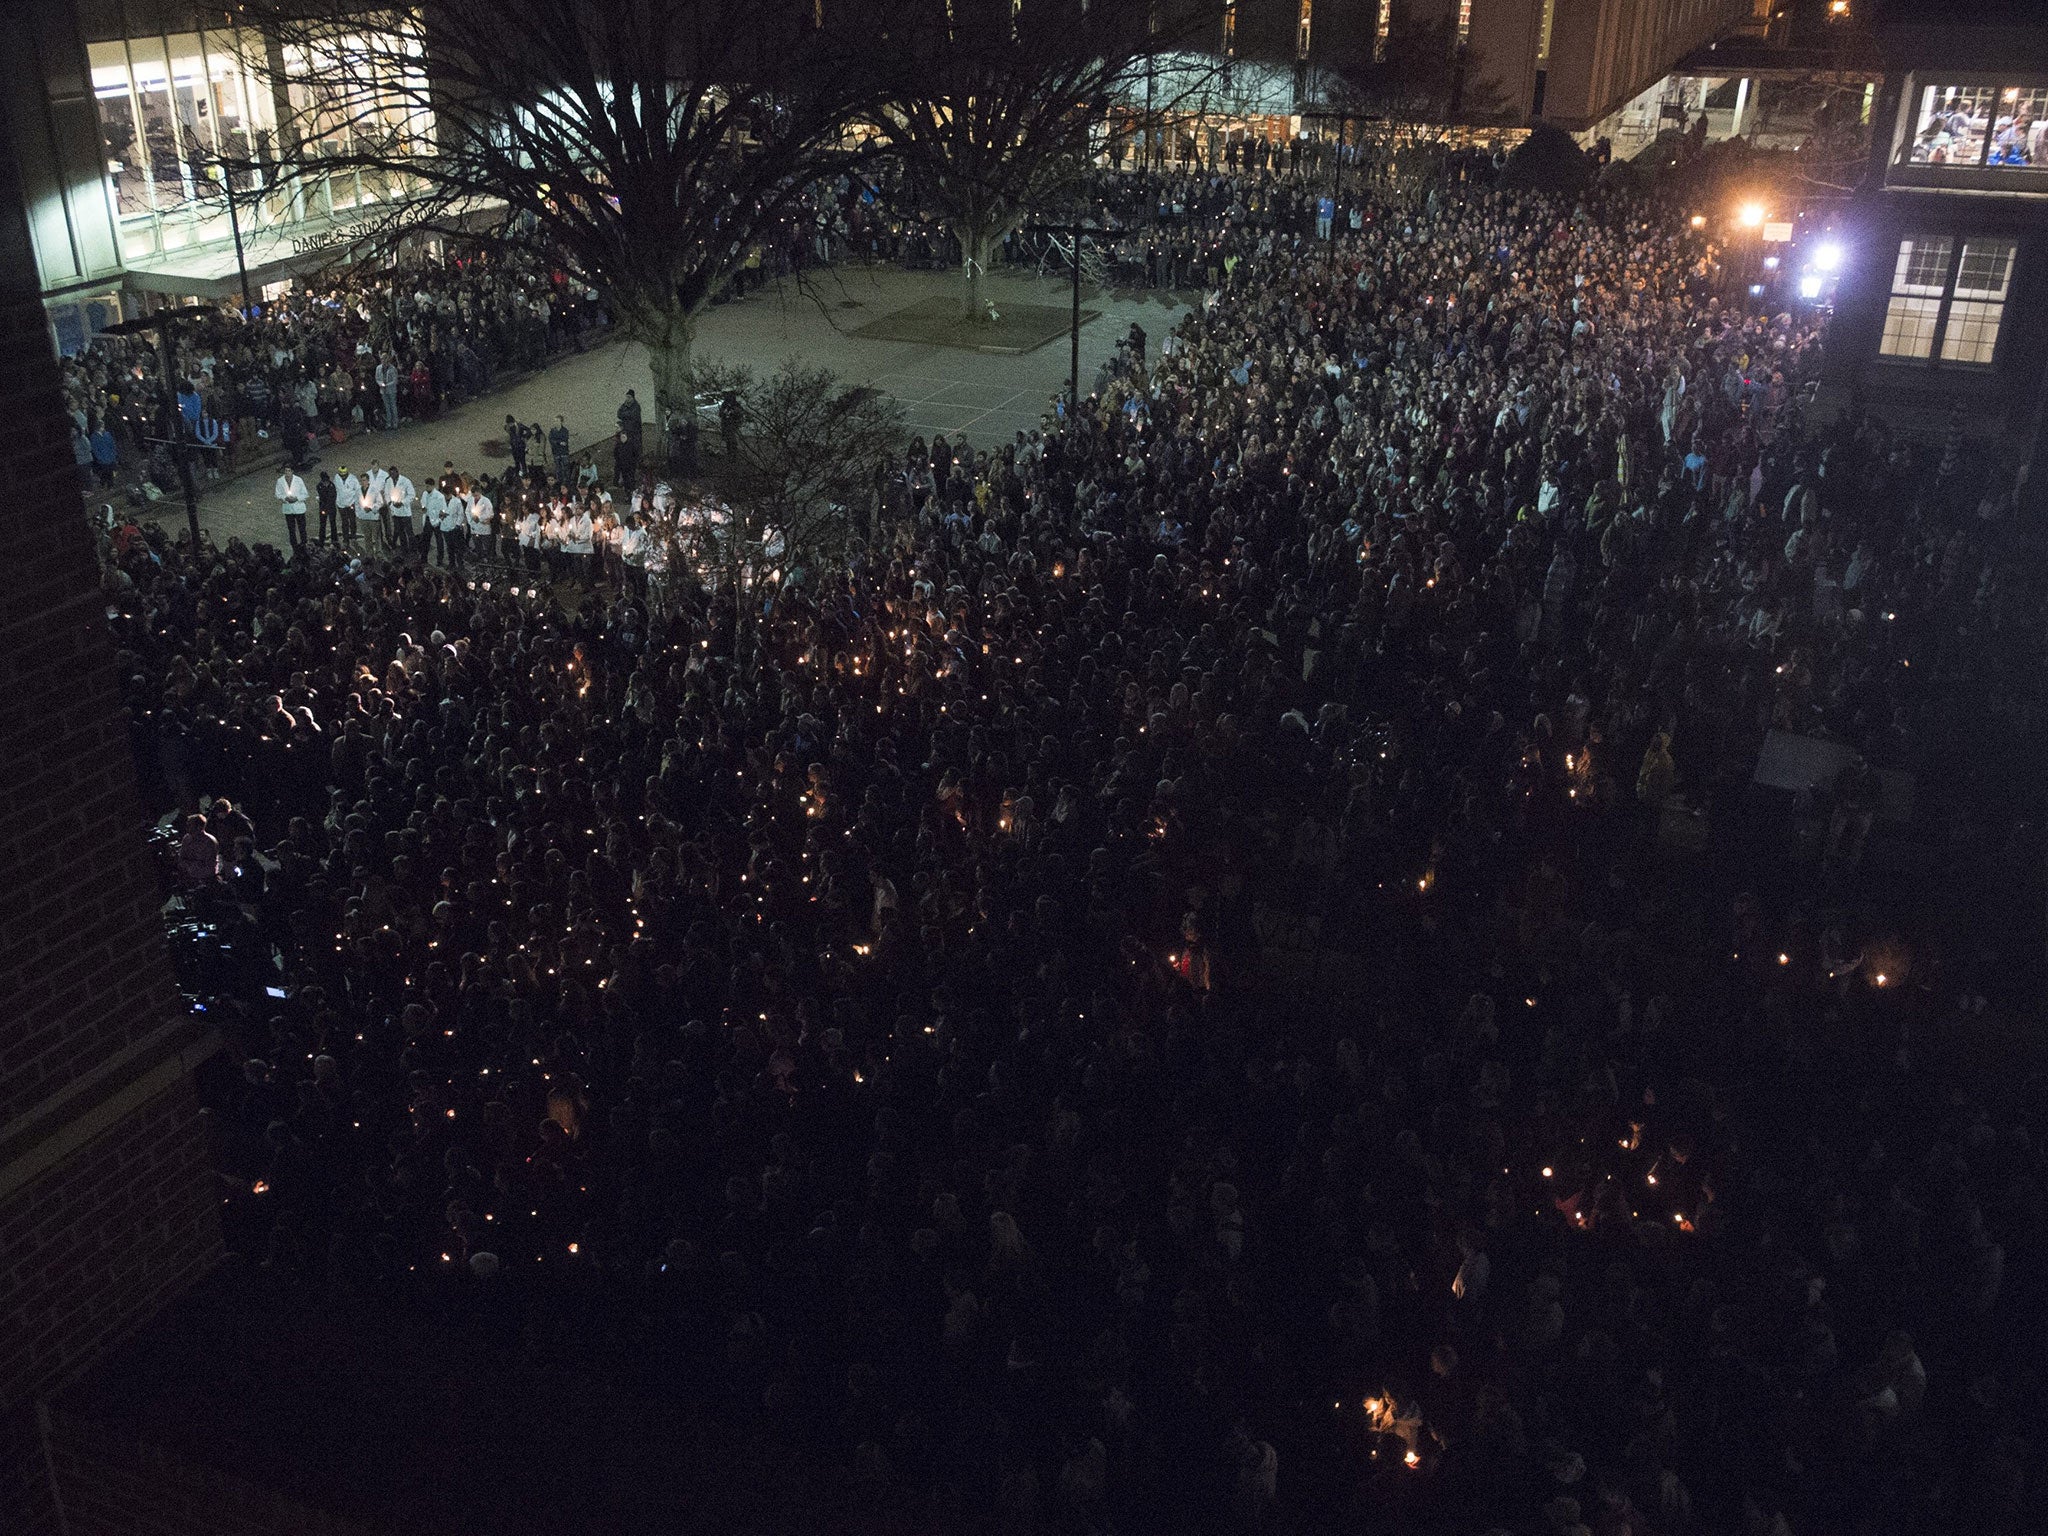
x=942, y=389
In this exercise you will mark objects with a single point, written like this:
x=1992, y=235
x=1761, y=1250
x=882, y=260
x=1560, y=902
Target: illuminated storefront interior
x=149, y=134
x=188, y=117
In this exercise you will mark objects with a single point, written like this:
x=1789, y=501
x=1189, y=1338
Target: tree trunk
x=669, y=338
x=976, y=245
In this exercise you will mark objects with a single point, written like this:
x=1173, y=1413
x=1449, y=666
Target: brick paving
x=942, y=389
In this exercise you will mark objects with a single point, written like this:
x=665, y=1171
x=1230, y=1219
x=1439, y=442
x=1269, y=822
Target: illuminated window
x=1543, y=36
x=1230, y=30
x=1959, y=303
x=1381, y=28
x=2019, y=131
x=1981, y=125
x=1978, y=309
x=1301, y=37
x=179, y=116
x=1915, y=308
x=1464, y=19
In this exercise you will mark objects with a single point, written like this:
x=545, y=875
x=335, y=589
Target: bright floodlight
x=1809, y=286
x=1750, y=215
x=1828, y=255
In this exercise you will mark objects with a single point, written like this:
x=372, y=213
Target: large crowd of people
x=365, y=351
x=1211, y=977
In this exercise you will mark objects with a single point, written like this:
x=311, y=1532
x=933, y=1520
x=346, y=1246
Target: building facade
x=1572, y=63
x=146, y=133
x=1942, y=315
x=108, y=1199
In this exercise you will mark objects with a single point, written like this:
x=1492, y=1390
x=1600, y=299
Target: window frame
x=1977, y=172
x=1900, y=287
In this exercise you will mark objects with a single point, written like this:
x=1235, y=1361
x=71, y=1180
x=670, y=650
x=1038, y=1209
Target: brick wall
x=107, y=1205
x=116, y=1488
x=89, y=1251
x=106, y=1238
x=88, y=976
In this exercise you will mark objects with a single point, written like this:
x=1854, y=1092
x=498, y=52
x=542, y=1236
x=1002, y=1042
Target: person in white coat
x=434, y=513
x=291, y=500
x=348, y=506
x=399, y=498
x=529, y=538
x=482, y=517
x=633, y=555
x=554, y=533
x=577, y=543
x=377, y=496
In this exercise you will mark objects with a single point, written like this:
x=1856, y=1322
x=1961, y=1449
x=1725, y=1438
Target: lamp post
x=159, y=325
x=1078, y=233
x=1343, y=120
x=1749, y=218
x=225, y=171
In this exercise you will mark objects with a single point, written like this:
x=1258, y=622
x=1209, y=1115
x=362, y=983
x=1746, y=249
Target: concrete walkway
x=942, y=389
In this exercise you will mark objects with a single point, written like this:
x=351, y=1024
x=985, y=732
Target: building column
x=1741, y=101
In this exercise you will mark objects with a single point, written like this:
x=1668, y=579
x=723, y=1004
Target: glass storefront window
x=192, y=95
x=74, y=322
x=119, y=131
x=149, y=68
x=184, y=116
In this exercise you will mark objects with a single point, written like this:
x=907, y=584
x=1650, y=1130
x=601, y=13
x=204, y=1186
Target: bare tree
x=1418, y=72
x=802, y=462
x=648, y=143
x=995, y=102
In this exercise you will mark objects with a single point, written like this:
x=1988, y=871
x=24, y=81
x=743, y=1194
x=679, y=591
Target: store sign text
x=328, y=239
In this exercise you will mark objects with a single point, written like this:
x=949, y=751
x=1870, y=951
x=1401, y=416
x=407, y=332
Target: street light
x=223, y=172
x=1828, y=256
x=1750, y=215
x=1077, y=233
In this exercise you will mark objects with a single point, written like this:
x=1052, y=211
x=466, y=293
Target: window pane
x=1972, y=334
x=119, y=131
x=159, y=121
x=2019, y=137
x=192, y=99
x=1909, y=328
x=1923, y=265
x=1953, y=120
x=1987, y=269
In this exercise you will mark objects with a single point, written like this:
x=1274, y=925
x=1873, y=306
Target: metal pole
x=227, y=186
x=1074, y=362
x=172, y=422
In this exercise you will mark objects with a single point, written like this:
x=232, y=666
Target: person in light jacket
x=291, y=500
